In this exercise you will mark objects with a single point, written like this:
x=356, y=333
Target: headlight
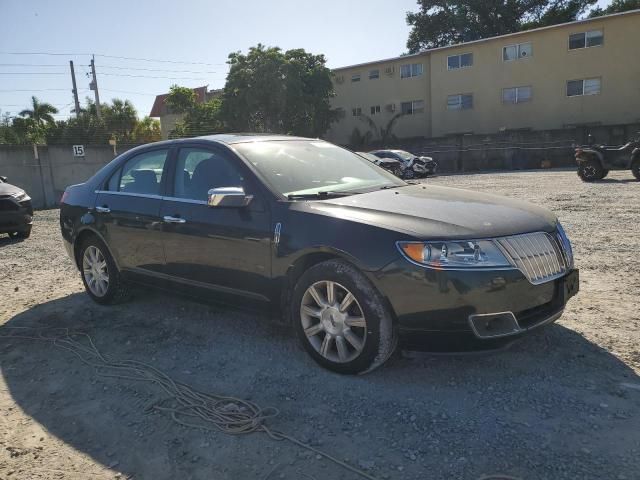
x=456, y=254
x=21, y=196
x=566, y=245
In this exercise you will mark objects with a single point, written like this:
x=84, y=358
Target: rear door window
x=142, y=174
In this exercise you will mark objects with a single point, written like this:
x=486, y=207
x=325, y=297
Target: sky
x=193, y=38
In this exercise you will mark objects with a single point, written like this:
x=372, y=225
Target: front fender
x=587, y=155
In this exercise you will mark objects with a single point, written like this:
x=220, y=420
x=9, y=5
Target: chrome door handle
x=170, y=219
x=103, y=209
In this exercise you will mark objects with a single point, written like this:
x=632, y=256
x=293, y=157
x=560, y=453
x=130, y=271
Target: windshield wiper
x=388, y=187
x=317, y=195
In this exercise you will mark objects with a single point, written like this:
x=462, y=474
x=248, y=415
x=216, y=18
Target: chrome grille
x=537, y=255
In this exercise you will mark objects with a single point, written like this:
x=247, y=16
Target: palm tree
x=385, y=133
x=39, y=118
x=40, y=113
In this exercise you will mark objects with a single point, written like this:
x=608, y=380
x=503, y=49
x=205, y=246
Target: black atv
x=595, y=161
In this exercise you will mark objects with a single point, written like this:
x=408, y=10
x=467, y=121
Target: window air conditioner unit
x=391, y=107
x=340, y=79
x=389, y=70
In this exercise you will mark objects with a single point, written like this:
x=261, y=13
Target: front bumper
x=15, y=216
x=440, y=310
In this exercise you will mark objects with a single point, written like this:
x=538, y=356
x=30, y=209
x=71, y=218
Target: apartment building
x=585, y=72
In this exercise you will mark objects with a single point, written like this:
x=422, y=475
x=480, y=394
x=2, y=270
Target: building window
x=355, y=77
x=374, y=74
x=375, y=110
x=463, y=101
x=588, y=86
x=411, y=70
x=593, y=38
x=515, y=52
x=463, y=60
x=516, y=94
x=412, y=108
x=356, y=112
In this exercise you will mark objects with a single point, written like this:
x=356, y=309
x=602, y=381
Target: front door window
x=199, y=170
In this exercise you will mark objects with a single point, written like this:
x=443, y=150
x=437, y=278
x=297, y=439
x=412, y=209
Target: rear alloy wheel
x=635, y=169
x=99, y=273
x=341, y=319
x=590, y=170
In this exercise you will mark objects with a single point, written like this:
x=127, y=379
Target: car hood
x=8, y=189
x=432, y=212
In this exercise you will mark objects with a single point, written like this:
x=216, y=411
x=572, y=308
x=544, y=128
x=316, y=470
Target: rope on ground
x=185, y=405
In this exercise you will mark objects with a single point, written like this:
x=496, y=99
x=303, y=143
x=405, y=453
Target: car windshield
x=307, y=167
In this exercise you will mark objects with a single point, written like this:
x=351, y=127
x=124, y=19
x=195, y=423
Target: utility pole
x=94, y=85
x=75, y=89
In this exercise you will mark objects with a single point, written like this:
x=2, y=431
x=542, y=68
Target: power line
x=159, y=61
x=129, y=92
x=149, y=76
x=108, y=74
x=139, y=59
x=115, y=67
x=37, y=90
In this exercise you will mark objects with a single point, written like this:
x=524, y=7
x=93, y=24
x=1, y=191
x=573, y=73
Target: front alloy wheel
x=333, y=321
x=341, y=319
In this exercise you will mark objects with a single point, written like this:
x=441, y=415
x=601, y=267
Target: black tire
x=26, y=233
x=408, y=174
x=116, y=290
x=604, y=174
x=590, y=170
x=635, y=168
x=378, y=333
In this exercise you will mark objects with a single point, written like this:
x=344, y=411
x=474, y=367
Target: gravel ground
x=562, y=403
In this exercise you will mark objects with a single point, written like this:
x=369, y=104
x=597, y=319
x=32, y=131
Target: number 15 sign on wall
x=78, y=150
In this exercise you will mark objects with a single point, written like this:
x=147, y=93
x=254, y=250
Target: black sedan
x=16, y=211
x=354, y=258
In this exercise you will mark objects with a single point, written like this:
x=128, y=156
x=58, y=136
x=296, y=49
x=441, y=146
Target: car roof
x=233, y=138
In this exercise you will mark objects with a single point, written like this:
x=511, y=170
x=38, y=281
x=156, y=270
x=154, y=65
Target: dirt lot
x=563, y=403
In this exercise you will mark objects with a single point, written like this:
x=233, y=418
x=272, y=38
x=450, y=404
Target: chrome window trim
x=131, y=194
x=153, y=197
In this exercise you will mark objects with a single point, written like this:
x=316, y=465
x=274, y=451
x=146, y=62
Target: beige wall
x=389, y=89
x=552, y=64
x=168, y=123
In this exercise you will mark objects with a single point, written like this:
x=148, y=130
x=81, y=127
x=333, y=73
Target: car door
x=127, y=212
x=216, y=248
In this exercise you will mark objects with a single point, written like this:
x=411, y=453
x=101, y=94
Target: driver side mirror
x=228, y=197
x=3, y=178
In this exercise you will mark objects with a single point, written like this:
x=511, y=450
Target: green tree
x=39, y=117
x=268, y=90
x=201, y=119
x=616, y=6
x=180, y=99
x=120, y=119
x=445, y=22
x=147, y=130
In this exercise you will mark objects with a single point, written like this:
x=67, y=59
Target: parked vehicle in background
x=412, y=165
x=595, y=161
x=355, y=259
x=389, y=164
x=16, y=211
